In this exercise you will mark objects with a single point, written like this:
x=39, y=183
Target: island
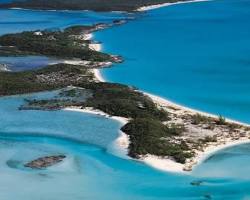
x=45, y=162
x=158, y=131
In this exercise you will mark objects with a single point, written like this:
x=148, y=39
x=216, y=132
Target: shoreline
x=167, y=164
x=212, y=150
x=161, y=101
x=156, y=6
x=119, y=146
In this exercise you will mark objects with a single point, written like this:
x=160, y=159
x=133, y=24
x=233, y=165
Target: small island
x=44, y=162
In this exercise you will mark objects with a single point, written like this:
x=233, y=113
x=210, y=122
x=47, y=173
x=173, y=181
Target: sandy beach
x=118, y=147
x=170, y=165
x=167, y=164
x=146, y=8
x=95, y=46
x=164, y=102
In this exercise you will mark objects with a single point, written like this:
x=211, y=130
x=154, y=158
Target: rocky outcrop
x=44, y=162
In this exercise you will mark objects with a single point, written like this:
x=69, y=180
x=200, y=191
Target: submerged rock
x=45, y=162
x=196, y=183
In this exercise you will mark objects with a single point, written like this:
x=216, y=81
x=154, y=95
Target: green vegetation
x=62, y=44
x=199, y=119
x=48, y=78
x=221, y=120
x=147, y=132
x=121, y=100
x=150, y=136
x=97, y=5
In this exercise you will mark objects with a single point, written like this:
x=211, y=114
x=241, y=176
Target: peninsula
x=161, y=133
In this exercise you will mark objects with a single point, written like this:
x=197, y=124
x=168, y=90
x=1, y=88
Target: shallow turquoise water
x=22, y=63
x=90, y=171
x=194, y=54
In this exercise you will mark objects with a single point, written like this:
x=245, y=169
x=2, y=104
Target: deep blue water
x=195, y=54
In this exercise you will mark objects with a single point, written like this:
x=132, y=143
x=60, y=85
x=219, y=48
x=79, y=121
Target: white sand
x=122, y=141
x=164, y=102
x=95, y=46
x=88, y=36
x=213, y=149
x=163, y=164
x=169, y=165
x=146, y=8
x=98, y=75
x=118, y=147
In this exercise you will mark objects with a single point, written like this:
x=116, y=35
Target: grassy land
x=97, y=5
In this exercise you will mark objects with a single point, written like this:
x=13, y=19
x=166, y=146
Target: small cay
x=44, y=162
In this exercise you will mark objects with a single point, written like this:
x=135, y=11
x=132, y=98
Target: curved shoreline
x=169, y=165
x=119, y=146
x=156, y=6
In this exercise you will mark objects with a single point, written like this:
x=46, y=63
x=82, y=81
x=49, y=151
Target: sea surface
x=21, y=63
x=195, y=54
x=18, y=20
x=186, y=50
x=92, y=170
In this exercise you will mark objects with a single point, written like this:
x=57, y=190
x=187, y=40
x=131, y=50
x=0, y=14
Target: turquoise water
x=92, y=169
x=194, y=54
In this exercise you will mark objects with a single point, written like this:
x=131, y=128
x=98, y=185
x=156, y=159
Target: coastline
x=152, y=7
x=167, y=103
x=212, y=150
x=167, y=164
x=119, y=146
